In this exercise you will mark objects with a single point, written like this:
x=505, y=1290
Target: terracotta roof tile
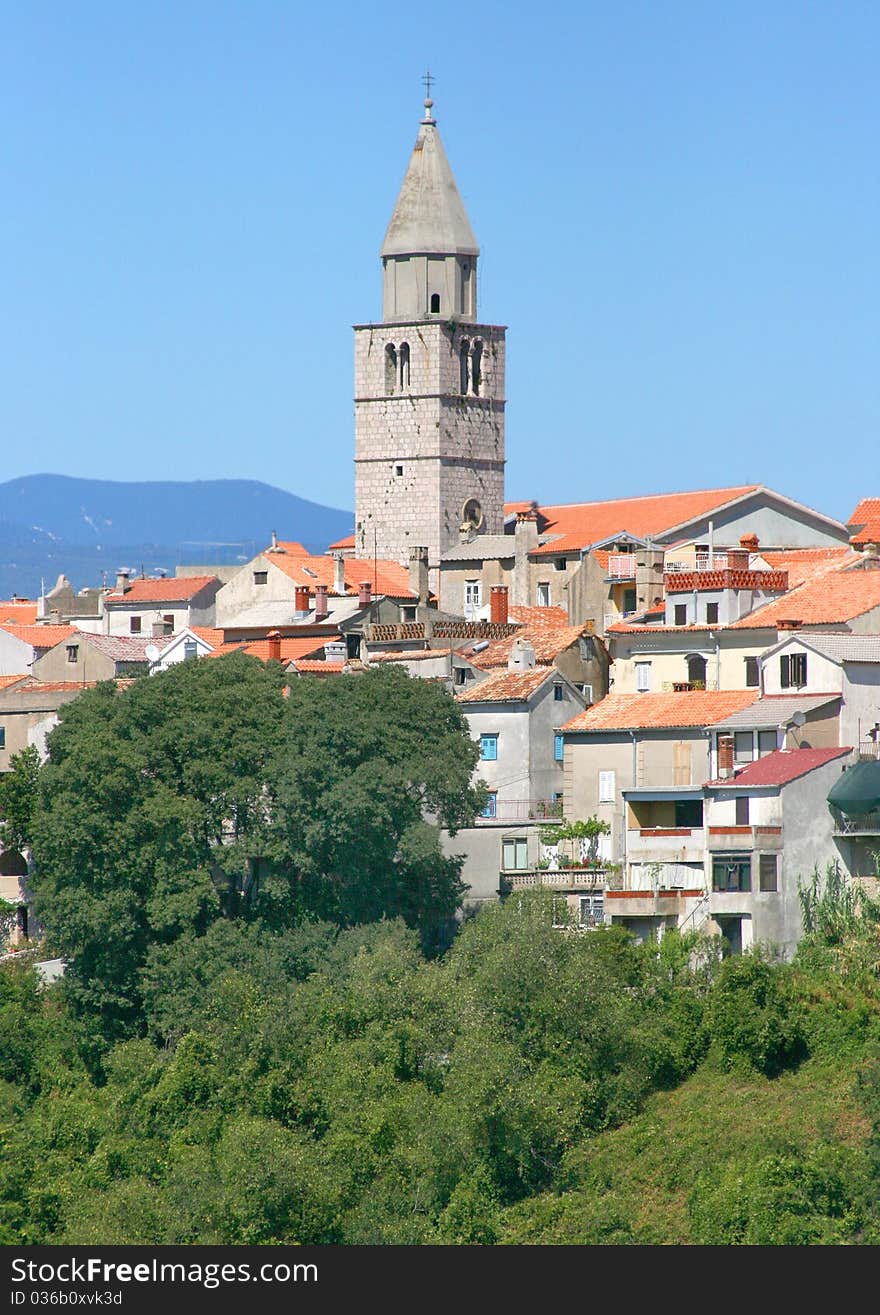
x=580, y=524
x=866, y=521
x=302, y=568
x=834, y=598
x=292, y=647
x=781, y=767
x=18, y=611
x=804, y=564
x=6, y=681
x=320, y=668
x=41, y=636
x=209, y=635
x=342, y=545
x=548, y=642
x=646, y=711
x=538, y=616
x=506, y=687
x=171, y=589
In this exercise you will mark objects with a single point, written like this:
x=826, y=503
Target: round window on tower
x=471, y=515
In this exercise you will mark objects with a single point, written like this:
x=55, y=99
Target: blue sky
x=677, y=205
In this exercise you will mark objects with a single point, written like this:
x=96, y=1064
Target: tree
x=207, y=792
x=18, y=795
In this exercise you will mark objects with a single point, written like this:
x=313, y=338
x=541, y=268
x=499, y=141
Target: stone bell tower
x=429, y=380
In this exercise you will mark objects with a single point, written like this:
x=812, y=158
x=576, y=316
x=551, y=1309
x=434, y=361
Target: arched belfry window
x=403, y=356
x=464, y=363
x=390, y=367
x=435, y=303
x=476, y=366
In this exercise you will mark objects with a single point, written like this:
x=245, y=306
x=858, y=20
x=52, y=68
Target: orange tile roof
x=506, y=687
x=209, y=635
x=171, y=589
x=6, y=681
x=18, y=611
x=538, y=616
x=805, y=563
x=548, y=642
x=342, y=544
x=302, y=568
x=35, y=686
x=41, y=636
x=292, y=647
x=833, y=599
x=577, y=525
x=645, y=711
x=319, y=667
x=866, y=520
x=413, y=655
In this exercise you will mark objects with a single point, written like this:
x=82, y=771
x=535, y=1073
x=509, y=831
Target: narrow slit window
x=404, y=365
x=476, y=368
x=435, y=303
x=390, y=367
x=464, y=367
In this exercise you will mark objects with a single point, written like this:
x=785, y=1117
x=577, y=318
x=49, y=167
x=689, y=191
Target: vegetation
x=259, y=1042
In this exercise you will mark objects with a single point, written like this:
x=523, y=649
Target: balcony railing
x=622, y=566
x=665, y=840
x=554, y=878
x=713, y=561
x=856, y=824
x=523, y=810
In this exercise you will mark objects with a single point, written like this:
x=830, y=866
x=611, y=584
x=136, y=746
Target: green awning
x=858, y=790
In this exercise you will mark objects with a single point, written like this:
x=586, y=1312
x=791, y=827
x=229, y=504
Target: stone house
x=21, y=645
x=157, y=608
x=85, y=658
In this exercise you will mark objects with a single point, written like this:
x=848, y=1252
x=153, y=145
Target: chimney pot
x=274, y=638
x=338, y=573
x=749, y=542
x=321, y=607
x=301, y=603
x=122, y=580
x=364, y=592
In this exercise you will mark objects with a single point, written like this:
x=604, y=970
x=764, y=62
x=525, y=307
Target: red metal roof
x=782, y=766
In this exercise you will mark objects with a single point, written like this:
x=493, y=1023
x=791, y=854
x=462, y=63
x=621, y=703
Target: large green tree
x=216, y=789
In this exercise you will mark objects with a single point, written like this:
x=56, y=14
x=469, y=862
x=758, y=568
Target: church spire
x=429, y=254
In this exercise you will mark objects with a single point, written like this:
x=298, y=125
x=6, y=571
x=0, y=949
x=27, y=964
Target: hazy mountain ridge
x=87, y=528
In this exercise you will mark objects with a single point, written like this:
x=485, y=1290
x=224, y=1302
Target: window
x=390, y=367
x=793, y=670
x=753, y=678
x=544, y=594
x=557, y=693
x=404, y=365
x=743, y=751
x=591, y=910
x=766, y=743
x=134, y=625
x=260, y=577
x=696, y=669
x=488, y=748
x=464, y=367
x=168, y=623
x=561, y=563
x=688, y=813
x=629, y=601
x=407, y=614
x=606, y=787
x=680, y=614
x=471, y=598
x=643, y=677
x=732, y=872
x=72, y=652
x=556, y=803
x=558, y=748
x=476, y=367
x=491, y=807
x=767, y=867
x=2, y=737
x=587, y=691
x=435, y=303
x=460, y=675
x=742, y=810
x=712, y=614
x=398, y=470
x=515, y=855
x=190, y=649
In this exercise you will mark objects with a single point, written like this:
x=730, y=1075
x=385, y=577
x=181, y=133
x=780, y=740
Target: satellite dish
x=798, y=718
x=151, y=653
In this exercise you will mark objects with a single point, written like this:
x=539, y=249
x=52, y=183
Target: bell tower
x=429, y=379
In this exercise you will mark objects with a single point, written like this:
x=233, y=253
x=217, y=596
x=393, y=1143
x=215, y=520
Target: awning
x=858, y=790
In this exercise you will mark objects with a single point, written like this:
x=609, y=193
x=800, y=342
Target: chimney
x=274, y=637
x=749, y=542
x=725, y=756
x=301, y=604
x=321, y=607
x=338, y=573
x=871, y=555
x=738, y=558
x=336, y=650
x=498, y=605
x=522, y=656
x=364, y=592
x=525, y=540
x=122, y=578
x=418, y=574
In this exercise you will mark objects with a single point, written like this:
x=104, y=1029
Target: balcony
x=744, y=837
x=622, y=566
x=582, y=878
x=523, y=810
x=855, y=824
x=713, y=561
x=659, y=844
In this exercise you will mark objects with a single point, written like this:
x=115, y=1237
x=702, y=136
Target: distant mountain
x=51, y=524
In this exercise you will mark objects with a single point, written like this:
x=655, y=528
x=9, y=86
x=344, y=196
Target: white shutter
x=606, y=787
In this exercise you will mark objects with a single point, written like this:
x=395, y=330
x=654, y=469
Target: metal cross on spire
x=428, y=80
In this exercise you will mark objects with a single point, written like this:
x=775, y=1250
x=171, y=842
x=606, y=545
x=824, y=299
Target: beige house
x=159, y=607
x=85, y=658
